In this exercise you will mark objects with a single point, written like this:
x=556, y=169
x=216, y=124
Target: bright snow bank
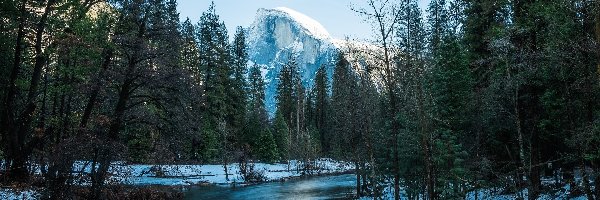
x=174, y=175
x=11, y=194
x=210, y=174
x=215, y=174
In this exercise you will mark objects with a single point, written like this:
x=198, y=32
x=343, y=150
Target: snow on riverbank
x=11, y=194
x=215, y=174
x=180, y=175
x=135, y=174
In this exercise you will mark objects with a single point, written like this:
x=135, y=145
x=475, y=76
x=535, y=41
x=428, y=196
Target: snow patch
x=139, y=174
x=12, y=194
x=283, y=33
x=312, y=26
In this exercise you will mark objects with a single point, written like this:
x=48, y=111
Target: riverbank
x=174, y=175
x=177, y=176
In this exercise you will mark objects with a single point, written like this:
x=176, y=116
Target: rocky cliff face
x=279, y=33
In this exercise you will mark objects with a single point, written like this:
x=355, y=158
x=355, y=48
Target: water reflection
x=328, y=187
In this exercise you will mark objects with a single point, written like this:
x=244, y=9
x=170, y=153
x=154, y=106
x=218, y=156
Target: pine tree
x=310, y=108
x=451, y=91
x=291, y=97
x=287, y=92
x=257, y=114
x=192, y=78
x=237, y=90
x=438, y=23
x=267, y=148
x=215, y=63
x=256, y=90
x=189, y=52
x=482, y=20
x=414, y=115
x=320, y=89
x=395, y=27
x=343, y=104
x=281, y=134
x=301, y=134
x=354, y=105
x=450, y=87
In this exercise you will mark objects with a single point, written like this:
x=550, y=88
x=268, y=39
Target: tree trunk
x=297, y=124
x=226, y=171
x=365, y=181
x=224, y=133
x=104, y=155
x=585, y=181
x=597, y=183
x=124, y=95
x=517, y=116
x=426, y=144
x=96, y=88
x=358, y=173
x=534, y=168
x=7, y=125
x=395, y=130
x=598, y=40
x=369, y=147
x=19, y=150
x=102, y=158
x=596, y=167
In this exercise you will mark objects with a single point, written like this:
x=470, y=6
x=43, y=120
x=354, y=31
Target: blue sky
x=334, y=15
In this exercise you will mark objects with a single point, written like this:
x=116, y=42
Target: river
x=324, y=187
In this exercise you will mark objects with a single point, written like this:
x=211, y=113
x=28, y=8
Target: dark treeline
x=475, y=94
x=478, y=94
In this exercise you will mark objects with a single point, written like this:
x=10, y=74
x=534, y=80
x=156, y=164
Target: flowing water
x=325, y=187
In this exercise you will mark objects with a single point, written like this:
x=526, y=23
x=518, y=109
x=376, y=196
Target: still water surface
x=326, y=187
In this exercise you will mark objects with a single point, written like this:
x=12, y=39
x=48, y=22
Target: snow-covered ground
x=494, y=194
x=181, y=175
x=489, y=194
x=139, y=174
x=215, y=174
x=178, y=175
x=10, y=194
x=498, y=193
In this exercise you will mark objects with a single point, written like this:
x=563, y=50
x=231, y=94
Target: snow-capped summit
x=312, y=26
x=278, y=33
